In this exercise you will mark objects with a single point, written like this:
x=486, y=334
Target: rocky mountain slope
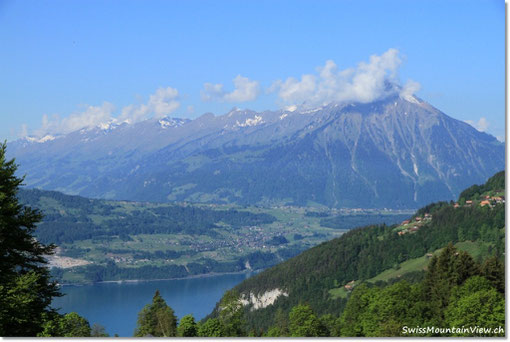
x=394, y=153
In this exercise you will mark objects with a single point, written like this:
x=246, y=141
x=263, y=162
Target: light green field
x=339, y=292
x=218, y=246
x=407, y=266
x=477, y=249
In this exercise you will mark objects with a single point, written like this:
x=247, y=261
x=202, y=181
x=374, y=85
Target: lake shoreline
x=124, y=281
x=116, y=306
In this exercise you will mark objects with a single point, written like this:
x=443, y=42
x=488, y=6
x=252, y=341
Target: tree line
x=362, y=253
x=456, y=291
x=66, y=227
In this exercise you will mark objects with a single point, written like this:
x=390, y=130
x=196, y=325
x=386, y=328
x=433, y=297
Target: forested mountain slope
x=363, y=253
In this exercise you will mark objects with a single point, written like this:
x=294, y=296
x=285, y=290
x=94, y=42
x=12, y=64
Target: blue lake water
x=116, y=305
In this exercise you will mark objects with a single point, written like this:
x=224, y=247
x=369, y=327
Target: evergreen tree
x=211, y=328
x=156, y=319
x=304, y=323
x=449, y=269
x=187, y=327
x=232, y=315
x=328, y=325
x=351, y=319
x=26, y=289
x=68, y=325
x=494, y=270
x=281, y=327
x=476, y=303
x=98, y=330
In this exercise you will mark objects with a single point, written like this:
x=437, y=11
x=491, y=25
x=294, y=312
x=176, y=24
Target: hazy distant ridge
x=390, y=153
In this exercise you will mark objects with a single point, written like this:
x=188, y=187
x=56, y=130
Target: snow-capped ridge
x=257, y=120
x=167, y=122
x=410, y=98
x=47, y=137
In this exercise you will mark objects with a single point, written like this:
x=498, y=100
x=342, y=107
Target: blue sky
x=79, y=62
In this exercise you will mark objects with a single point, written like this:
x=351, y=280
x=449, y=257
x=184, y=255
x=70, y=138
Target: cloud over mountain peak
x=365, y=83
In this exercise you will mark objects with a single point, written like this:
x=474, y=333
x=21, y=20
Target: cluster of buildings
x=484, y=201
x=350, y=285
x=414, y=225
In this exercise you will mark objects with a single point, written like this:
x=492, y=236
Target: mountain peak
x=397, y=152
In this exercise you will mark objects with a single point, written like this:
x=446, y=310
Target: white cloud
x=92, y=116
x=481, y=125
x=244, y=90
x=163, y=102
x=293, y=90
x=365, y=83
x=212, y=91
x=410, y=88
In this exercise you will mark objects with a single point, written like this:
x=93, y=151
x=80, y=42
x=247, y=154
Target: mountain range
x=392, y=153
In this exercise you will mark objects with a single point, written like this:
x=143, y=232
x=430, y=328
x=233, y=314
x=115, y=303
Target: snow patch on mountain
x=47, y=137
x=257, y=120
x=310, y=111
x=168, y=122
x=291, y=108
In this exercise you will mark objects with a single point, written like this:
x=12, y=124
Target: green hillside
x=102, y=240
x=379, y=254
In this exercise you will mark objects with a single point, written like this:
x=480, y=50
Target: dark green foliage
x=26, y=290
x=156, y=319
x=476, y=303
x=495, y=183
x=60, y=227
x=187, y=327
x=68, y=325
x=363, y=253
x=277, y=240
x=304, y=323
x=328, y=323
x=450, y=269
x=259, y=259
x=231, y=315
x=383, y=312
x=351, y=323
x=281, y=325
x=411, y=277
x=494, y=270
x=298, y=237
x=111, y=271
x=98, y=330
x=451, y=295
x=210, y=328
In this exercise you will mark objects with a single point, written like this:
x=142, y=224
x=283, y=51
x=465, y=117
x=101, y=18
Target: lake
x=116, y=305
